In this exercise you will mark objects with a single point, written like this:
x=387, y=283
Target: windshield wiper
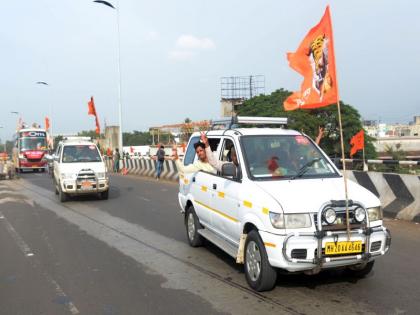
x=305, y=168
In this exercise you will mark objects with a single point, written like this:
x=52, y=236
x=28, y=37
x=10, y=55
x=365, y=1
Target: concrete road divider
x=144, y=167
x=399, y=193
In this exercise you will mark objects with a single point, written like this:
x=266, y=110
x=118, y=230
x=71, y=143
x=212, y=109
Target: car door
x=197, y=184
x=56, y=162
x=225, y=201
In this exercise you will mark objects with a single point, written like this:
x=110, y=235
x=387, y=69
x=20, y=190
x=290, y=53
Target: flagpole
x=341, y=132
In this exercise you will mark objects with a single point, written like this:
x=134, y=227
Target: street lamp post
x=5, y=149
x=17, y=114
x=120, y=135
x=51, y=119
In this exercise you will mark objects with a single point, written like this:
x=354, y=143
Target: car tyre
x=361, y=271
x=104, y=195
x=192, y=225
x=61, y=194
x=55, y=186
x=259, y=274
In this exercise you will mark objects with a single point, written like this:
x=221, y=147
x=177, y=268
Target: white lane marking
x=28, y=253
x=8, y=191
x=16, y=237
x=18, y=200
x=143, y=198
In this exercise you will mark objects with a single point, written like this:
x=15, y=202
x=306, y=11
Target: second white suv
x=79, y=169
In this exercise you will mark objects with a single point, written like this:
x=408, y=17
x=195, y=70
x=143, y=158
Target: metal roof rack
x=235, y=121
x=77, y=138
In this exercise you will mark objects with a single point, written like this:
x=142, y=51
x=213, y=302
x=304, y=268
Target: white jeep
x=281, y=205
x=79, y=169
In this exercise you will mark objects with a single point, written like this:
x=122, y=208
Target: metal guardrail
x=386, y=162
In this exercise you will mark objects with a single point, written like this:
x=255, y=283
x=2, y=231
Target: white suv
x=79, y=169
x=282, y=206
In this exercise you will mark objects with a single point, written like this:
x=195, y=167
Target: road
x=129, y=255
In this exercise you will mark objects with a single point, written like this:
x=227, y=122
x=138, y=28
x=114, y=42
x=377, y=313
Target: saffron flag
x=92, y=111
x=357, y=142
x=314, y=60
x=47, y=123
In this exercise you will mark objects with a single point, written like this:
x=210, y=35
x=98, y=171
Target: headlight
x=277, y=220
x=297, y=221
x=374, y=214
x=100, y=175
x=359, y=214
x=68, y=176
x=290, y=221
x=329, y=215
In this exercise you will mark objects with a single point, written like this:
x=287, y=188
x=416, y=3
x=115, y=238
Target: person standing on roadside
x=117, y=157
x=160, y=158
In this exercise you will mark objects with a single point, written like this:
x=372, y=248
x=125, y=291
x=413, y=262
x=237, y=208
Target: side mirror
x=229, y=170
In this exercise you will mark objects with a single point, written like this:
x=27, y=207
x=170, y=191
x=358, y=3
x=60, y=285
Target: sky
x=173, y=54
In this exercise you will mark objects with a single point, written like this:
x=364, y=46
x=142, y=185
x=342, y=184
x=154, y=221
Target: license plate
x=340, y=248
x=86, y=185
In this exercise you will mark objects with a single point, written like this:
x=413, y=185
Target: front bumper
x=282, y=249
x=76, y=187
x=33, y=165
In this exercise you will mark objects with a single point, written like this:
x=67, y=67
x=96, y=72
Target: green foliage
x=143, y=138
x=89, y=133
x=309, y=121
x=57, y=139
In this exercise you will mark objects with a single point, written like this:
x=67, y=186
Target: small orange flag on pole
x=315, y=61
x=47, y=123
x=357, y=142
x=92, y=112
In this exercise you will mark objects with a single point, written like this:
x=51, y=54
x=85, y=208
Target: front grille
x=34, y=160
x=341, y=220
x=299, y=253
x=375, y=246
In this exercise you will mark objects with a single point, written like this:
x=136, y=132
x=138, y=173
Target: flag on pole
x=92, y=112
x=357, y=142
x=47, y=123
x=315, y=61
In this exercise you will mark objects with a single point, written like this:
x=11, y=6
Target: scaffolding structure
x=242, y=87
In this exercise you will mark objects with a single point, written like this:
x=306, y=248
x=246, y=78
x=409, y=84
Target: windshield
x=33, y=143
x=80, y=153
x=284, y=157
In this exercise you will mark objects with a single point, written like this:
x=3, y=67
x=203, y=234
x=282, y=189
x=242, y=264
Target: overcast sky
x=173, y=54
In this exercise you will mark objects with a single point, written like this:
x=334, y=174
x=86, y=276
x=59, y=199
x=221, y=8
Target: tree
x=309, y=121
x=89, y=133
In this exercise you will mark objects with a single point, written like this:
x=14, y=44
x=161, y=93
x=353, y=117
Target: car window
x=57, y=154
x=228, y=153
x=80, y=153
x=190, y=153
x=277, y=157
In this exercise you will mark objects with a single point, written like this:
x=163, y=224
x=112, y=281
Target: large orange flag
x=357, y=142
x=315, y=61
x=92, y=111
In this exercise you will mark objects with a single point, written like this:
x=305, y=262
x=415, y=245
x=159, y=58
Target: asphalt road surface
x=129, y=255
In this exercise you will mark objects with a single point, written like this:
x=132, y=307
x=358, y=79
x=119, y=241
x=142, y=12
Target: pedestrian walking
x=160, y=157
x=117, y=158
